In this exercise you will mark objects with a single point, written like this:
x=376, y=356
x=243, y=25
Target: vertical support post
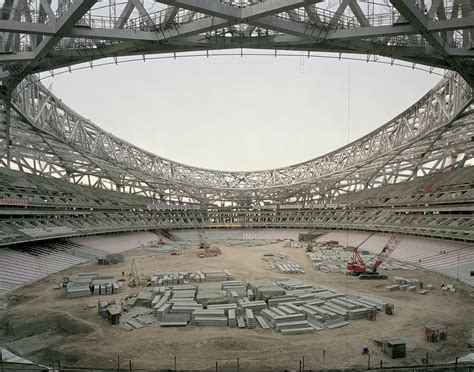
x=302, y=364
x=217, y=368
x=8, y=106
x=175, y=363
x=130, y=365
x=238, y=364
x=368, y=362
x=118, y=362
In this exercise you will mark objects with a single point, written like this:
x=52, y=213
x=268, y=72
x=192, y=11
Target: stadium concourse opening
x=113, y=258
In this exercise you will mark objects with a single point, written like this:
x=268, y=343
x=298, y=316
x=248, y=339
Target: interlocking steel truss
x=46, y=137
x=38, y=36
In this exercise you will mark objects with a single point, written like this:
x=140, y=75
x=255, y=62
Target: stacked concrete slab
x=249, y=318
x=210, y=317
x=217, y=276
x=225, y=307
x=87, y=284
x=281, y=262
x=288, y=306
x=78, y=291
x=174, y=320
x=232, y=318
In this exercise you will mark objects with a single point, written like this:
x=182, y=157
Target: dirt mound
x=26, y=324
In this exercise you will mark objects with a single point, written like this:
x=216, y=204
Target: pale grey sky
x=236, y=113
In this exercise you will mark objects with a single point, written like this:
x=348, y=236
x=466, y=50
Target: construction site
x=114, y=258
x=191, y=310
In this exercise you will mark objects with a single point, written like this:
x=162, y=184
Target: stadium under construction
x=114, y=258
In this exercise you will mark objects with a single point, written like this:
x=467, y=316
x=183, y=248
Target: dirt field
x=43, y=325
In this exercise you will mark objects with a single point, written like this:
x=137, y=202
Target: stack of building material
x=250, y=319
x=200, y=277
x=232, y=318
x=315, y=323
x=339, y=310
x=274, y=318
x=255, y=306
x=294, y=327
x=165, y=279
x=231, y=284
x=217, y=276
x=230, y=276
x=174, y=320
x=163, y=310
x=185, y=307
x=357, y=314
x=78, y=291
x=344, y=302
x=335, y=323
x=160, y=300
x=211, y=294
x=282, y=263
x=95, y=284
x=209, y=317
x=399, y=280
x=294, y=285
x=392, y=288
x=144, y=299
x=184, y=294
x=233, y=295
x=370, y=301
x=262, y=322
x=264, y=290
x=287, y=309
x=105, y=285
x=225, y=307
x=289, y=267
x=327, y=295
x=275, y=301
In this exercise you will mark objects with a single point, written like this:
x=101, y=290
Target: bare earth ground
x=44, y=325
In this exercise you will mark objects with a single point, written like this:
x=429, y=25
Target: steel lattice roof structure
x=61, y=143
x=46, y=35
x=43, y=136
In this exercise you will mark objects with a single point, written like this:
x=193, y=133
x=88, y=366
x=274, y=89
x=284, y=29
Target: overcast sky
x=234, y=113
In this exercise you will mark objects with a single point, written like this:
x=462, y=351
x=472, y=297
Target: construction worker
x=365, y=351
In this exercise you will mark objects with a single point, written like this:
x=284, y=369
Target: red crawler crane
x=358, y=266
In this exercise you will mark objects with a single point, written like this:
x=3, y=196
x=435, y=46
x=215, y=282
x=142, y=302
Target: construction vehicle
x=358, y=267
